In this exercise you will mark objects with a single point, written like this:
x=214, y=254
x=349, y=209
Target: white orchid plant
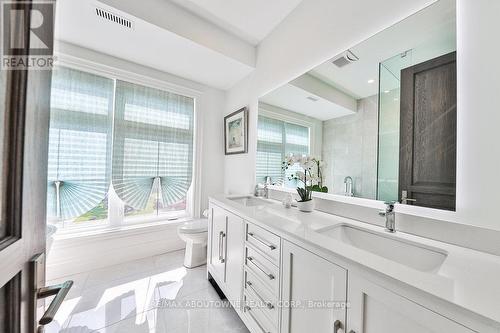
x=311, y=177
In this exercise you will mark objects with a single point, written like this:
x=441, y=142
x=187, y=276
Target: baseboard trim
x=76, y=255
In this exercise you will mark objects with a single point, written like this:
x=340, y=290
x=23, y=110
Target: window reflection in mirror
x=381, y=115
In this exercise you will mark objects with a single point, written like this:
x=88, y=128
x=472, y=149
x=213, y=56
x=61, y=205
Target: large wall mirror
x=381, y=116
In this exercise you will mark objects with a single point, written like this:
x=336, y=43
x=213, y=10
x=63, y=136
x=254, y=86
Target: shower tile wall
x=350, y=149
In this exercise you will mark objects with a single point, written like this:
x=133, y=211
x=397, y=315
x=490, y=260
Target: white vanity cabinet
x=225, y=251
x=288, y=288
x=374, y=309
x=312, y=290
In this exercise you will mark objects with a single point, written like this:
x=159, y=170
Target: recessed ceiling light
x=396, y=99
x=371, y=80
x=386, y=91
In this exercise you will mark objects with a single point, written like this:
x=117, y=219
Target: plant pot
x=305, y=206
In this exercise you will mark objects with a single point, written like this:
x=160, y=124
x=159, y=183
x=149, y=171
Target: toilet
x=195, y=234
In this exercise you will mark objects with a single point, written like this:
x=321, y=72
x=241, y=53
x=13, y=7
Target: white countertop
x=469, y=279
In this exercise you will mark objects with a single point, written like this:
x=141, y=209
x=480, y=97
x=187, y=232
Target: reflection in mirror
x=3, y=91
x=380, y=116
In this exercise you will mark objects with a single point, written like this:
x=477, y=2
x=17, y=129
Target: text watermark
x=27, y=35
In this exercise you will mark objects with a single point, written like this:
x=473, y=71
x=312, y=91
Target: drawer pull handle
x=260, y=240
x=253, y=261
x=268, y=304
x=249, y=311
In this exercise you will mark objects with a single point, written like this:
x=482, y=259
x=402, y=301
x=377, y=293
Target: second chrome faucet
x=390, y=216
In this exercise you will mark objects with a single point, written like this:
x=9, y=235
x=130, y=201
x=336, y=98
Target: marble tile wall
x=350, y=149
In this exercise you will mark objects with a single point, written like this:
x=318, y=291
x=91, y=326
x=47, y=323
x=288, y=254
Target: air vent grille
x=107, y=15
x=345, y=59
x=341, y=62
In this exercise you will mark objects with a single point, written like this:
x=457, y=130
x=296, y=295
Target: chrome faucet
x=262, y=190
x=348, y=182
x=390, y=216
x=266, y=190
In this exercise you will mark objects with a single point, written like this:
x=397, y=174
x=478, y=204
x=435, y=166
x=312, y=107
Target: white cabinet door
x=216, y=247
x=313, y=288
x=233, y=255
x=374, y=309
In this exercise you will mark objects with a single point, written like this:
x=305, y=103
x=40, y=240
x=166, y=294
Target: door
x=374, y=309
x=234, y=253
x=24, y=110
x=315, y=290
x=428, y=133
x=218, y=235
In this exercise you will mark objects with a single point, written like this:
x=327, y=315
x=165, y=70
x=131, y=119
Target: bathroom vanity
x=288, y=271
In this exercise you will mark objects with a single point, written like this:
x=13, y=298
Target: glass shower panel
x=389, y=109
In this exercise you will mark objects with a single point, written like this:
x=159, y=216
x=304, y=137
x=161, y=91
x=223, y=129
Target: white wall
x=320, y=29
x=478, y=50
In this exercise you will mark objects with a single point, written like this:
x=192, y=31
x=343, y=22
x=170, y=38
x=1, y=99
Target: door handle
x=405, y=199
x=61, y=291
x=337, y=327
x=220, y=246
x=223, y=260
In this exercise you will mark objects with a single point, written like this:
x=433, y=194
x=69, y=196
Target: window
x=79, y=145
x=275, y=140
x=111, y=135
x=152, y=149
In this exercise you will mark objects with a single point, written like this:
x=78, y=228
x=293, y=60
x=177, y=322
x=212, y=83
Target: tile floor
x=139, y=296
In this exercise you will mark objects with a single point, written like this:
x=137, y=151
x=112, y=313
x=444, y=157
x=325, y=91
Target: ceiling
x=156, y=46
x=293, y=98
x=250, y=20
x=429, y=33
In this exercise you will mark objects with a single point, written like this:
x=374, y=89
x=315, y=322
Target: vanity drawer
x=265, y=241
x=256, y=291
x=261, y=267
x=259, y=321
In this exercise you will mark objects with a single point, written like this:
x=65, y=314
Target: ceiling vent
x=345, y=59
x=312, y=98
x=107, y=15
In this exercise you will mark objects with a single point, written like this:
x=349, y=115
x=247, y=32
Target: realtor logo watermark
x=15, y=33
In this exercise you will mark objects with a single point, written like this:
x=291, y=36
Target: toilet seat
x=194, y=227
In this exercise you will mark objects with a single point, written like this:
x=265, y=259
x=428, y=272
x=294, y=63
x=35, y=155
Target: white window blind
x=275, y=140
x=79, y=142
x=152, y=144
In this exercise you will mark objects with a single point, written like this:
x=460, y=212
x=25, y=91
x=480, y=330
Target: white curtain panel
x=152, y=139
x=79, y=142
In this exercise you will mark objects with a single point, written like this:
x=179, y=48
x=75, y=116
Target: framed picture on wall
x=236, y=132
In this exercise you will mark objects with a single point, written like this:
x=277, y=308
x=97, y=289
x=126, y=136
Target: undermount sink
x=418, y=256
x=250, y=201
